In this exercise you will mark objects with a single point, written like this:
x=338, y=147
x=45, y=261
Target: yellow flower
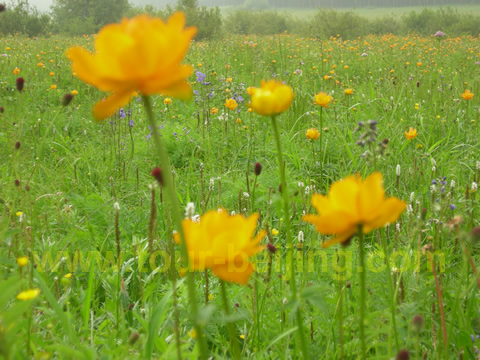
x=348, y=91
x=238, y=121
x=312, y=134
x=74, y=92
x=68, y=276
x=53, y=87
x=271, y=98
x=52, y=74
x=229, y=80
x=141, y=54
x=167, y=101
x=22, y=261
x=192, y=333
x=213, y=110
x=322, y=99
x=231, y=104
x=467, y=95
x=19, y=213
x=417, y=106
x=353, y=203
x=411, y=134
x=16, y=71
x=40, y=64
x=223, y=243
x=210, y=297
x=419, y=63
x=275, y=232
x=28, y=294
x=242, y=337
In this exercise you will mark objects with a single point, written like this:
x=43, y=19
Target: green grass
x=58, y=187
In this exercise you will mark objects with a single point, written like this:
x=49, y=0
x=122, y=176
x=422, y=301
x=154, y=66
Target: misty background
x=45, y=5
x=214, y=19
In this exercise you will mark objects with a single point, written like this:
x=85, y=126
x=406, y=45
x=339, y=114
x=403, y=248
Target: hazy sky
x=43, y=5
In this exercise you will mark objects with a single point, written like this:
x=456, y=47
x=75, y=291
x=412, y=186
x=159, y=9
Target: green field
x=89, y=266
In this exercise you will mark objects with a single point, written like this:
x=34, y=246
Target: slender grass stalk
x=177, y=219
x=286, y=216
x=363, y=285
x=231, y=330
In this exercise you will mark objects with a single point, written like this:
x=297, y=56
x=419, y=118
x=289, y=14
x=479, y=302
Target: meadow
x=89, y=265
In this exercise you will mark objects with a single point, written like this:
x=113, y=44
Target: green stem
x=231, y=330
x=362, y=293
x=177, y=218
x=392, y=295
x=286, y=217
x=320, y=142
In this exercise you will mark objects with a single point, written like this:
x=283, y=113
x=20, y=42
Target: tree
x=78, y=17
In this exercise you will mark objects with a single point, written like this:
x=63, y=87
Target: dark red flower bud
x=20, y=83
x=17, y=182
x=271, y=248
x=132, y=339
x=17, y=145
x=475, y=234
x=2, y=109
x=423, y=214
x=67, y=99
x=27, y=188
x=158, y=175
x=258, y=169
x=2, y=7
x=403, y=355
x=417, y=322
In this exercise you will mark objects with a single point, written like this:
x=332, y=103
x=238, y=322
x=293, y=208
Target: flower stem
x=231, y=330
x=286, y=217
x=362, y=293
x=177, y=219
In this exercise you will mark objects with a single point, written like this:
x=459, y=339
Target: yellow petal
x=321, y=203
x=343, y=195
x=371, y=196
x=389, y=212
x=335, y=222
x=239, y=273
x=108, y=106
x=340, y=237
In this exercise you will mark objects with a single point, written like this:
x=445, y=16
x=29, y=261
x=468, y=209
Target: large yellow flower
x=353, y=202
x=141, y=54
x=271, y=98
x=223, y=243
x=467, y=95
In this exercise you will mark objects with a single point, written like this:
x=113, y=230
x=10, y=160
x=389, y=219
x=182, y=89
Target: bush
x=22, y=18
x=261, y=22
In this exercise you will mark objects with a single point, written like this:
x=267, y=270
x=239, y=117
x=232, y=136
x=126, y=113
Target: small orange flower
x=467, y=95
x=167, y=101
x=231, y=104
x=322, y=99
x=348, y=91
x=411, y=134
x=53, y=87
x=213, y=110
x=74, y=92
x=16, y=71
x=312, y=134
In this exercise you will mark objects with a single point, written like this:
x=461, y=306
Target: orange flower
x=16, y=71
x=322, y=99
x=271, y=98
x=411, y=134
x=223, y=243
x=231, y=104
x=167, y=101
x=213, y=110
x=353, y=203
x=467, y=95
x=348, y=91
x=312, y=134
x=141, y=54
